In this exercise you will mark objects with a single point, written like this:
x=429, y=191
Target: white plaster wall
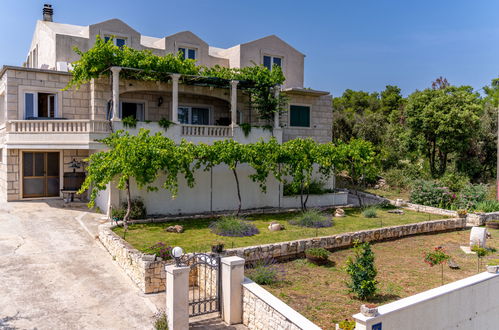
x=471, y=303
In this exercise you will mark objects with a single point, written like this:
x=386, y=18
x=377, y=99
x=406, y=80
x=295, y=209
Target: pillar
x=233, y=102
x=116, y=92
x=232, y=289
x=276, y=114
x=177, y=297
x=175, y=78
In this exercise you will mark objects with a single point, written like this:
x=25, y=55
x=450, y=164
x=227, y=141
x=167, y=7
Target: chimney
x=48, y=13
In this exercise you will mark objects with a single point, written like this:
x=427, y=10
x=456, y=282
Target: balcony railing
x=205, y=130
x=57, y=126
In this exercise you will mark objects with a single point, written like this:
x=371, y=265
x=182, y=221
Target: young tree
x=442, y=121
x=362, y=271
x=437, y=257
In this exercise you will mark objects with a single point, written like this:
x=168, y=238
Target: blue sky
x=361, y=45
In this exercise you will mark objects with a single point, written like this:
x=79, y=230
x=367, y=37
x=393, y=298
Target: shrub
x=161, y=250
x=265, y=272
x=165, y=123
x=314, y=188
x=318, y=252
x=362, y=271
x=386, y=205
x=233, y=226
x=431, y=193
x=487, y=206
x=454, y=181
x=129, y=121
x=347, y=325
x=138, y=210
x=471, y=195
x=397, y=178
x=370, y=212
x=160, y=321
x=312, y=219
x=437, y=257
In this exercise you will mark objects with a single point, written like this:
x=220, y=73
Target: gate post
x=232, y=289
x=177, y=297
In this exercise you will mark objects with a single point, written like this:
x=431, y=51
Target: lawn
x=198, y=238
x=319, y=292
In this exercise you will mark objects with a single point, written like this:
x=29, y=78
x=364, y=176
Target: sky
x=349, y=44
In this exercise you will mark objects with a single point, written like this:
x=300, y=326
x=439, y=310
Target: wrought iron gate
x=204, y=283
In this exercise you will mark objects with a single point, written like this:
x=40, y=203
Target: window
x=299, y=116
x=270, y=61
x=118, y=41
x=188, y=53
x=132, y=109
x=40, y=105
x=194, y=115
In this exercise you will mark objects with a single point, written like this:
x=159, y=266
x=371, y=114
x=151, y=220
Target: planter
x=369, y=310
x=492, y=224
x=317, y=260
x=217, y=248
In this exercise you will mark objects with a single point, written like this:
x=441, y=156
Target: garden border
x=148, y=271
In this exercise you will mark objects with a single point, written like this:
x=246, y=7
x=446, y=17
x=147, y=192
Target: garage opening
x=41, y=174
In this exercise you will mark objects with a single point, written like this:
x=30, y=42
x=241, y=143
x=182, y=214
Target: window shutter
x=29, y=105
x=299, y=116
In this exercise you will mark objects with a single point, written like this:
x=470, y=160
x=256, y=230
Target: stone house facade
x=45, y=130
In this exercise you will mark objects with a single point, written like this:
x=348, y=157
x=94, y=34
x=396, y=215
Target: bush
x=487, y=206
x=347, y=325
x=314, y=188
x=362, y=271
x=129, y=121
x=454, y=181
x=234, y=227
x=431, y=193
x=138, y=210
x=318, y=253
x=265, y=272
x=160, y=321
x=165, y=123
x=370, y=212
x=471, y=195
x=397, y=178
x=386, y=205
x=312, y=219
x=161, y=250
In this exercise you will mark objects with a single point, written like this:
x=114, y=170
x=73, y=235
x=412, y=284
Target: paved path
x=54, y=274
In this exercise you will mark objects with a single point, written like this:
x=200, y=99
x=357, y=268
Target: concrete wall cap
x=232, y=261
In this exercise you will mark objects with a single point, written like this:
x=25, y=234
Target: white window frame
x=22, y=90
x=190, y=106
x=272, y=60
x=144, y=107
x=114, y=37
x=186, y=53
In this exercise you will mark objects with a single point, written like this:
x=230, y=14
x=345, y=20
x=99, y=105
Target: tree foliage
x=362, y=271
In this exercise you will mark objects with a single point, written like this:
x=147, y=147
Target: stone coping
x=278, y=305
x=428, y=295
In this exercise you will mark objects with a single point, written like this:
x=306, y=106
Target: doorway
x=41, y=174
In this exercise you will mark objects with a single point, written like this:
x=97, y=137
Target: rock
x=399, y=202
x=478, y=236
x=274, y=226
x=397, y=211
x=175, y=229
x=369, y=310
x=452, y=264
x=339, y=213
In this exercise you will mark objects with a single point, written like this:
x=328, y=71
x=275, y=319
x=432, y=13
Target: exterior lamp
x=177, y=253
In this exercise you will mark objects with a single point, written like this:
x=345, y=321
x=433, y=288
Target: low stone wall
x=145, y=270
x=429, y=209
x=296, y=249
x=479, y=219
x=262, y=311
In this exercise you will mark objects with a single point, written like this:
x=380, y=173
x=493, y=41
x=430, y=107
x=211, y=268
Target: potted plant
x=369, y=310
x=493, y=266
x=462, y=213
x=345, y=325
x=217, y=247
x=492, y=224
x=318, y=256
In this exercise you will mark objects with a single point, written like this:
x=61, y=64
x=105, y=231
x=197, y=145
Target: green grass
x=198, y=238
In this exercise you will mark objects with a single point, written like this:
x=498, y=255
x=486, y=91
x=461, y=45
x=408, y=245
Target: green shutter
x=299, y=116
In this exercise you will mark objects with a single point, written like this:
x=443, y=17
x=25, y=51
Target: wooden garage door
x=41, y=174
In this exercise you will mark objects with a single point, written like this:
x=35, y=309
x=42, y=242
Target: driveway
x=54, y=274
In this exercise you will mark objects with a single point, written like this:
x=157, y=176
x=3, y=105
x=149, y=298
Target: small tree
x=480, y=253
x=437, y=257
x=362, y=271
x=263, y=157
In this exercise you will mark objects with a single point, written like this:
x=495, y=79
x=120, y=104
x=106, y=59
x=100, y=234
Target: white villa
x=43, y=128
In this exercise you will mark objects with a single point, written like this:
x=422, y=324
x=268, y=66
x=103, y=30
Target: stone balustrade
x=57, y=126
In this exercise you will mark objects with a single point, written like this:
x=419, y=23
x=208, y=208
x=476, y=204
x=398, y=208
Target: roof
x=67, y=29
x=304, y=91
x=21, y=68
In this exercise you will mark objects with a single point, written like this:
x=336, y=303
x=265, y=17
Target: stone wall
x=296, y=249
x=262, y=310
x=430, y=209
x=479, y=219
x=145, y=270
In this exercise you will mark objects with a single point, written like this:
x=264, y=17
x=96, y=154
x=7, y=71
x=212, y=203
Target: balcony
x=54, y=134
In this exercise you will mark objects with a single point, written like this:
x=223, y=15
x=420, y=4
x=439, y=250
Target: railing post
x=233, y=102
x=232, y=291
x=276, y=114
x=177, y=297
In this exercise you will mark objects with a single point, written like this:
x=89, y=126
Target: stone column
x=175, y=78
x=233, y=102
x=116, y=92
x=232, y=289
x=177, y=297
x=276, y=114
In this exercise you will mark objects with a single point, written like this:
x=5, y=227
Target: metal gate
x=204, y=283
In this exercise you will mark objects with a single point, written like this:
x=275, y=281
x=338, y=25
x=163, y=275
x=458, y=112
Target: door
x=41, y=174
